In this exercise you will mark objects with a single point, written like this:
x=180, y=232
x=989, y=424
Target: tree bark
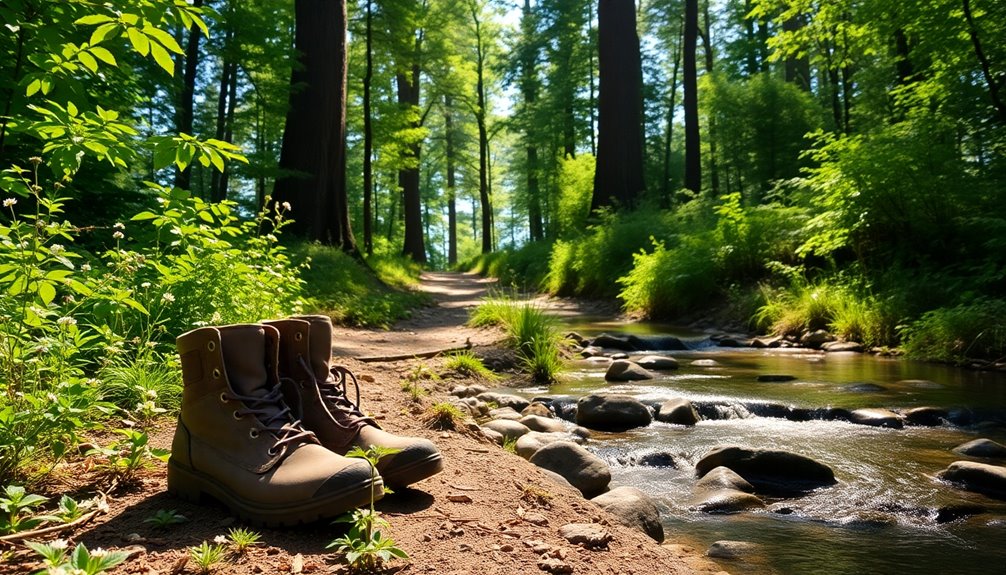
x=480, y=119
x=184, y=115
x=707, y=50
x=693, y=158
x=368, y=139
x=408, y=177
x=618, y=179
x=452, y=211
x=665, y=192
x=983, y=60
x=314, y=139
x=529, y=87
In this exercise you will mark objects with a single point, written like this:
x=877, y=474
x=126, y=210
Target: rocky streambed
x=779, y=460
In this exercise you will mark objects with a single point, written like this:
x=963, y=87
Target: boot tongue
x=320, y=343
x=244, y=351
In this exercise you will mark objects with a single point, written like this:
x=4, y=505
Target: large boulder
x=611, y=412
x=639, y=343
x=769, y=470
x=723, y=478
x=625, y=370
x=656, y=362
x=815, y=339
x=584, y=470
x=504, y=413
x=634, y=508
x=679, y=411
x=509, y=429
x=926, y=415
x=529, y=443
x=982, y=448
x=876, y=418
x=537, y=408
x=539, y=423
x=977, y=477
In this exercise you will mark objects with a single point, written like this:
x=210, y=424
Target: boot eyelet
x=224, y=398
x=237, y=415
x=298, y=336
x=271, y=451
x=211, y=345
x=253, y=433
x=216, y=373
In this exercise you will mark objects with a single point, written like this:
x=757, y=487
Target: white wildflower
x=118, y=235
x=220, y=540
x=119, y=226
x=145, y=285
x=85, y=267
x=286, y=206
x=168, y=297
x=8, y=202
x=57, y=249
x=151, y=393
x=66, y=320
x=58, y=544
x=99, y=552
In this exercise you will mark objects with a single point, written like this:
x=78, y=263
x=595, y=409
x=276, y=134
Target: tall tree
x=693, y=158
x=184, y=114
x=314, y=141
x=485, y=199
x=618, y=179
x=368, y=135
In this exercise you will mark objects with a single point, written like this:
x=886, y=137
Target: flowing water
x=887, y=514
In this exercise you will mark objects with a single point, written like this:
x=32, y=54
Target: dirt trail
x=442, y=325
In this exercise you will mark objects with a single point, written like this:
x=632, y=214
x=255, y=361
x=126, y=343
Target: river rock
x=929, y=416
x=877, y=418
x=625, y=370
x=591, y=351
x=633, y=508
x=653, y=459
x=607, y=340
x=611, y=412
x=726, y=501
x=537, y=408
x=705, y=363
x=529, y=443
x=509, y=429
x=723, y=478
x=769, y=470
x=504, y=400
x=865, y=388
x=775, y=378
x=539, y=423
x=504, y=413
x=577, y=338
x=731, y=549
x=977, y=477
x=619, y=355
x=468, y=390
x=494, y=436
x=589, y=535
x=836, y=346
x=584, y=470
x=815, y=339
x=656, y=362
x=679, y=411
x=767, y=342
x=982, y=448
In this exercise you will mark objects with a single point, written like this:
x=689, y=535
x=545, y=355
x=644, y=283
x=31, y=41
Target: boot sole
x=401, y=476
x=193, y=486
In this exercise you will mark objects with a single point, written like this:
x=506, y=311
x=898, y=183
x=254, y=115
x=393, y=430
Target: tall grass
x=968, y=331
x=531, y=332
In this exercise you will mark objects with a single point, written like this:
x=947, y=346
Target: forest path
x=441, y=325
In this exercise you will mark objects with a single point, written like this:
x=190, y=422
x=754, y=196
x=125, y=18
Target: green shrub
x=467, y=364
x=531, y=332
x=968, y=331
x=668, y=282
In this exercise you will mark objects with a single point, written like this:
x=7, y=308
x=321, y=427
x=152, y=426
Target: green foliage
x=576, y=189
x=164, y=518
x=144, y=386
x=510, y=445
x=80, y=561
x=123, y=459
x=206, y=556
x=523, y=268
x=467, y=364
x=243, y=539
x=363, y=547
x=531, y=332
x=443, y=416
x=339, y=286
x=975, y=330
x=17, y=505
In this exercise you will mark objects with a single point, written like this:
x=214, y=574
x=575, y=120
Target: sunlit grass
x=531, y=332
x=467, y=364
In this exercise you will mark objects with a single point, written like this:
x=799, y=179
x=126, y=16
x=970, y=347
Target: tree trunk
x=314, y=139
x=665, y=192
x=368, y=140
x=990, y=78
x=184, y=115
x=408, y=177
x=220, y=192
x=592, y=105
x=693, y=158
x=452, y=211
x=797, y=68
x=480, y=119
x=618, y=179
x=751, y=55
x=529, y=88
x=707, y=50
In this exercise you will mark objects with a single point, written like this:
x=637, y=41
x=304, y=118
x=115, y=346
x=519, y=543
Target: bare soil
x=489, y=512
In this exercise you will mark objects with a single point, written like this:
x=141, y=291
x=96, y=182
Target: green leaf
x=164, y=38
x=143, y=216
x=103, y=32
x=162, y=58
x=33, y=87
x=93, y=19
x=103, y=54
x=140, y=42
x=88, y=61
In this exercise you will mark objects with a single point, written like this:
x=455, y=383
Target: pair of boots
x=265, y=424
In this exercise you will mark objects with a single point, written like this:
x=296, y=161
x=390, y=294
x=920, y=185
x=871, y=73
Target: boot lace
x=345, y=411
x=274, y=416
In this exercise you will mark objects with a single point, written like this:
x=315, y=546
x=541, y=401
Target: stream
x=886, y=514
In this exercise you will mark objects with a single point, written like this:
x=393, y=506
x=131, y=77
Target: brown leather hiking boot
x=238, y=442
x=316, y=391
